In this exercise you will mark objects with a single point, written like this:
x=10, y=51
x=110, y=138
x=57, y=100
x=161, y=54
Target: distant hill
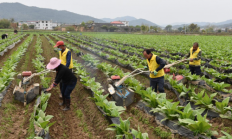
x=22, y=12
x=224, y=24
x=141, y=21
x=124, y=18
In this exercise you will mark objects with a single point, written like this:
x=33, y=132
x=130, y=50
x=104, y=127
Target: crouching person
x=68, y=79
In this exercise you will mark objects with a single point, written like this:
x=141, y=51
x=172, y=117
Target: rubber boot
x=67, y=102
x=62, y=103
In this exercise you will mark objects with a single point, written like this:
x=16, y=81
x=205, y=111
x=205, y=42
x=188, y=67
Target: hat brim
x=49, y=66
x=55, y=46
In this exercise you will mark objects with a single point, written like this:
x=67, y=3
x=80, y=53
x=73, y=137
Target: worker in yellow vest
x=195, y=59
x=155, y=65
x=66, y=59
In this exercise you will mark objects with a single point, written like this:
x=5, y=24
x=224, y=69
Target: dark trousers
x=61, y=83
x=154, y=82
x=195, y=70
x=67, y=89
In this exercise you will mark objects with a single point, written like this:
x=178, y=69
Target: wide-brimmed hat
x=59, y=43
x=54, y=63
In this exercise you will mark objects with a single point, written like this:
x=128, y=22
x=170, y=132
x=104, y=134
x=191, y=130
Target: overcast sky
x=158, y=11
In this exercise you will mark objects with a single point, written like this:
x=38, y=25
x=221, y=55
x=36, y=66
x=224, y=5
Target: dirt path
x=14, y=119
x=10, y=51
x=83, y=120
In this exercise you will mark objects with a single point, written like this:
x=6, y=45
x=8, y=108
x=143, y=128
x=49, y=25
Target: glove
x=155, y=73
x=145, y=67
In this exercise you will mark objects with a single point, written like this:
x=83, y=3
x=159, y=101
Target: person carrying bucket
x=64, y=75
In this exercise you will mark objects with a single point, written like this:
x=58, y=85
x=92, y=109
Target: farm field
x=195, y=107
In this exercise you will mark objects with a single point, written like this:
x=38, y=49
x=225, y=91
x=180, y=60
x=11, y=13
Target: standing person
x=68, y=79
x=65, y=57
x=155, y=65
x=4, y=36
x=195, y=59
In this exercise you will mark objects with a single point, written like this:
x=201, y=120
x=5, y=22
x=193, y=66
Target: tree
x=31, y=26
x=105, y=27
x=168, y=28
x=12, y=20
x=194, y=28
x=144, y=28
x=24, y=27
x=4, y=23
x=70, y=28
x=112, y=28
x=180, y=29
x=83, y=25
x=137, y=26
x=90, y=22
x=209, y=28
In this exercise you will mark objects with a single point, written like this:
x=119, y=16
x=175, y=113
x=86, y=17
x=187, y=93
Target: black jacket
x=65, y=75
x=4, y=36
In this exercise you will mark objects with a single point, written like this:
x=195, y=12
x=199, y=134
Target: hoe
x=27, y=90
x=125, y=96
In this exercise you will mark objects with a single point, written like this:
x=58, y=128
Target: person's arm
x=160, y=62
x=198, y=56
x=68, y=59
x=58, y=78
x=187, y=56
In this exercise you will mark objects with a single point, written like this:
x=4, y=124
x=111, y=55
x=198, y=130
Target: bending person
x=68, y=79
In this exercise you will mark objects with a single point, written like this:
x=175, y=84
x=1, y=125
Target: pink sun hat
x=54, y=63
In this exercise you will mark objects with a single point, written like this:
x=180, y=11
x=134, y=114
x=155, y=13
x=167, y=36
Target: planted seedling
x=227, y=136
x=169, y=109
x=201, y=126
x=222, y=107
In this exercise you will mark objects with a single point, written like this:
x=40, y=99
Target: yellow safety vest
x=194, y=55
x=63, y=58
x=153, y=65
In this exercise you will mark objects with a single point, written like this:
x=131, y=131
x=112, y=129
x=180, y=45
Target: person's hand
x=155, y=72
x=191, y=60
x=145, y=67
x=50, y=88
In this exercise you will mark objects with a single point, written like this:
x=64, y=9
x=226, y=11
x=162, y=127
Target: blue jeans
x=154, y=82
x=195, y=70
x=67, y=89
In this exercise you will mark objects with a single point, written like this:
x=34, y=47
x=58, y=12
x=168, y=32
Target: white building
x=46, y=25
x=126, y=23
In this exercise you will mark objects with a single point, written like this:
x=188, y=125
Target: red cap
x=59, y=43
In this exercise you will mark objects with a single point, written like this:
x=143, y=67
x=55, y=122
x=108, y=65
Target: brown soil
x=15, y=126
x=219, y=124
x=84, y=120
x=10, y=51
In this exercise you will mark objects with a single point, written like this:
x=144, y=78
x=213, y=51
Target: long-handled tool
x=174, y=63
x=139, y=71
